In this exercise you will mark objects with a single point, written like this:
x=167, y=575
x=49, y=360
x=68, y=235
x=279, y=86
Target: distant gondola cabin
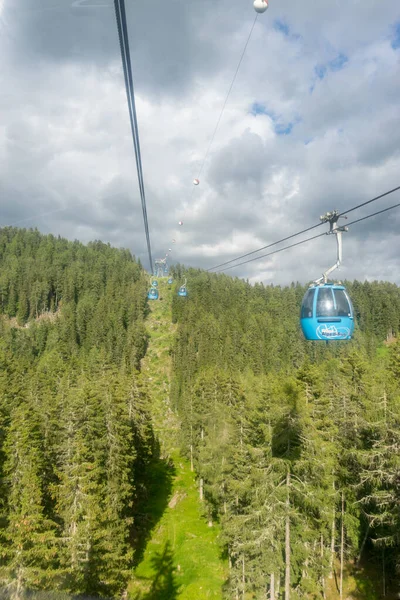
x=153, y=294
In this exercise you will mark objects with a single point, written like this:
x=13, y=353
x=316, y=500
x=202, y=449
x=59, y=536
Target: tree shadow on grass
x=154, y=490
x=366, y=581
x=164, y=586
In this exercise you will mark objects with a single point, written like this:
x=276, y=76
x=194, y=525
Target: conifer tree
x=28, y=542
x=81, y=490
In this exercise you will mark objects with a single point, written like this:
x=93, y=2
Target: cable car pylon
x=161, y=268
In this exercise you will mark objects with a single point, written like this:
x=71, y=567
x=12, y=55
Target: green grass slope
x=181, y=559
x=362, y=583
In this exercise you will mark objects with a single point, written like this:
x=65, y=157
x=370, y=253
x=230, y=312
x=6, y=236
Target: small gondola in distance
x=153, y=294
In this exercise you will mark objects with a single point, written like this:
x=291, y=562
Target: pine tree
x=29, y=544
x=81, y=490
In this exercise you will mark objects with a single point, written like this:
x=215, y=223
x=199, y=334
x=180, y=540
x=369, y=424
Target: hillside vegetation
x=75, y=428
x=191, y=447
x=296, y=444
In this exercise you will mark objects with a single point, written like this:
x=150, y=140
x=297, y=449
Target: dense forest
x=74, y=426
x=295, y=444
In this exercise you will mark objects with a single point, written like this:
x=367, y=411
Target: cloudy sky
x=312, y=124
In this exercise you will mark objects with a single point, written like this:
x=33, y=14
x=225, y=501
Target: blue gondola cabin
x=153, y=294
x=327, y=313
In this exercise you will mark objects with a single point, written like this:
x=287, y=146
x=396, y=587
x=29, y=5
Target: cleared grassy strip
x=181, y=559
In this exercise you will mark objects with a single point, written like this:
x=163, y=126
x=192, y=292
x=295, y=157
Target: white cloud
x=327, y=74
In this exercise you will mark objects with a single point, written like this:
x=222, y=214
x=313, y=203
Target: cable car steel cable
x=260, y=6
x=273, y=252
x=289, y=237
x=196, y=181
x=126, y=63
x=129, y=81
x=303, y=231
x=308, y=239
x=379, y=212
x=120, y=14
x=346, y=212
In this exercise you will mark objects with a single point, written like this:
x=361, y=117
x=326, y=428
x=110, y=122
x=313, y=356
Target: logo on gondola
x=332, y=332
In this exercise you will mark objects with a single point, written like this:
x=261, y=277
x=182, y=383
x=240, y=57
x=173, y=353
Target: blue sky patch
x=338, y=62
x=320, y=71
x=280, y=127
x=282, y=27
x=283, y=128
x=259, y=109
x=335, y=64
x=396, y=37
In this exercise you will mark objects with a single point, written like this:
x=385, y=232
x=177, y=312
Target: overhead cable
x=302, y=231
x=289, y=237
x=120, y=14
x=379, y=212
x=226, y=99
x=274, y=252
x=369, y=201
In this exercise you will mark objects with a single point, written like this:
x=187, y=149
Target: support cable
x=226, y=99
x=120, y=14
x=289, y=237
x=379, y=212
x=369, y=201
x=305, y=230
x=274, y=252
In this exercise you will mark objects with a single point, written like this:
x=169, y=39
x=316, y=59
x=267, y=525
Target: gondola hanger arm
x=332, y=218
